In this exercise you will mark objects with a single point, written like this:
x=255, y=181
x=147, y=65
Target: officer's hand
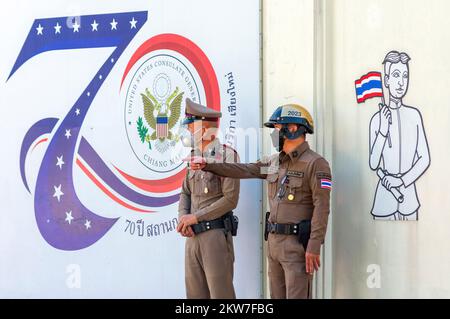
x=391, y=181
x=312, y=263
x=196, y=166
x=185, y=222
x=188, y=233
x=197, y=163
x=385, y=119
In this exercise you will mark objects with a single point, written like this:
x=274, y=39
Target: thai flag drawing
x=369, y=86
x=326, y=183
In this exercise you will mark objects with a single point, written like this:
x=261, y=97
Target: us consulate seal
x=155, y=106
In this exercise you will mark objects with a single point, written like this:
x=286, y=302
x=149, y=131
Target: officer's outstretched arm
x=236, y=170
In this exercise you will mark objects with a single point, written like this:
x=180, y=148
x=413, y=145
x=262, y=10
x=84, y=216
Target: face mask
x=190, y=140
x=279, y=137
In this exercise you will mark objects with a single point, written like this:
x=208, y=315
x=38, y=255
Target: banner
x=92, y=97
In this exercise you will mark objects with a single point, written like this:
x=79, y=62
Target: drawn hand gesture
x=385, y=119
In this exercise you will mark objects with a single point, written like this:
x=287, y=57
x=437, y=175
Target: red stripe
x=369, y=96
x=192, y=52
x=107, y=192
x=156, y=186
x=368, y=75
x=41, y=141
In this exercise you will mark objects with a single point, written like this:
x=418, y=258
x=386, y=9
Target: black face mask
x=278, y=137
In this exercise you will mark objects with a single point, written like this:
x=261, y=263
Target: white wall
x=413, y=256
x=291, y=38
x=313, y=52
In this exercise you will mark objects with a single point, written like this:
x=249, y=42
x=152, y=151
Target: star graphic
x=69, y=217
x=57, y=28
x=100, y=77
x=88, y=93
x=113, y=24
x=87, y=224
x=133, y=23
x=39, y=29
x=94, y=26
x=76, y=26
x=58, y=193
x=68, y=134
x=60, y=162
x=77, y=112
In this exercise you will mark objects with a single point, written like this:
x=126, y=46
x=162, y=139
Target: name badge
x=295, y=174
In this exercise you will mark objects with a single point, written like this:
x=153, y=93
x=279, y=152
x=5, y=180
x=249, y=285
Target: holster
x=304, y=232
x=266, y=226
x=231, y=223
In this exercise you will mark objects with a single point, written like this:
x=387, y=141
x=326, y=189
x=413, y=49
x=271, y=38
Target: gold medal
x=291, y=197
x=206, y=190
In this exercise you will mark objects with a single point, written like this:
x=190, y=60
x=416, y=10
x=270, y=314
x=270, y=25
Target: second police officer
x=299, y=186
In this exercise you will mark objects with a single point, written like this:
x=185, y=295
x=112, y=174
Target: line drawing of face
x=398, y=80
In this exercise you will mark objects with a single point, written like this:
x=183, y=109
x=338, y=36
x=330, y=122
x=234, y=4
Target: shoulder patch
x=326, y=183
x=324, y=180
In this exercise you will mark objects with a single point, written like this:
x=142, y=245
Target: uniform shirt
x=205, y=194
x=408, y=158
x=306, y=196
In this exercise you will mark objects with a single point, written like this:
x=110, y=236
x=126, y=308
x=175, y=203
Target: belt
x=221, y=222
x=282, y=229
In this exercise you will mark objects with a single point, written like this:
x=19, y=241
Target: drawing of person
x=398, y=146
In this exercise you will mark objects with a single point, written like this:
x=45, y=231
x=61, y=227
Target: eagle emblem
x=161, y=117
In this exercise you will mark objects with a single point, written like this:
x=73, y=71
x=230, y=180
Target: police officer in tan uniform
x=205, y=210
x=299, y=185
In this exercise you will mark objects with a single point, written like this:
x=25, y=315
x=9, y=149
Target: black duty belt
x=302, y=230
x=282, y=229
x=227, y=222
